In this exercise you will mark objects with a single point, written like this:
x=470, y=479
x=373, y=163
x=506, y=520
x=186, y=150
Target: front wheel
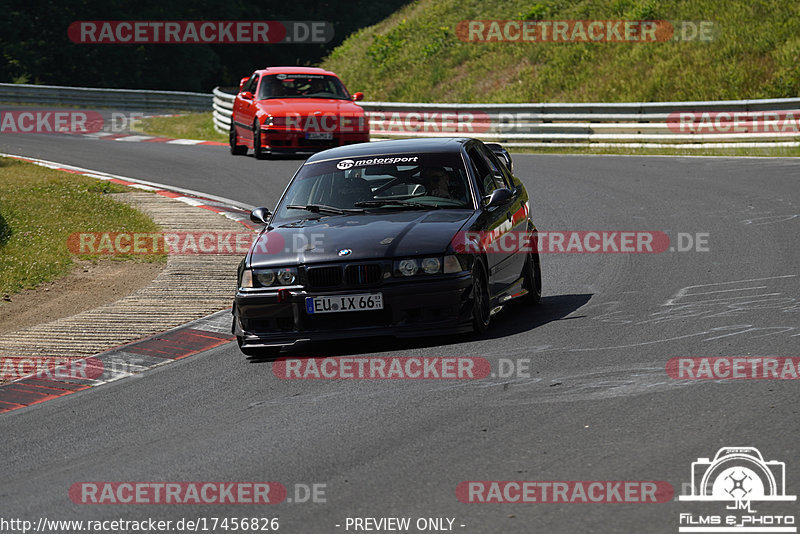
x=233, y=141
x=258, y=151
x=481, y=310
x=533, y=278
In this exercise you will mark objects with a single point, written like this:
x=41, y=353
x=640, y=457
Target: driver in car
x=313, y=86
x=437, y=182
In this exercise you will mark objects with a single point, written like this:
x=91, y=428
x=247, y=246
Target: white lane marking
x=108, y=176
x=145, y=187
x=183, y=142
x=190, y=201
x=134, y=138
x=685, y=292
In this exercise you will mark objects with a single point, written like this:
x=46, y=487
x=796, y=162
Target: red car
x=295, y=109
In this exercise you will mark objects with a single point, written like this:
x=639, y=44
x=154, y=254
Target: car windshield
x=377, y=183
x=302, y=86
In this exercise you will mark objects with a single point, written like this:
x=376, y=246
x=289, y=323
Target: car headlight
x=265, y=278
x=431, y=265
x=407, y=267
x=286, y=277
x=412, y=266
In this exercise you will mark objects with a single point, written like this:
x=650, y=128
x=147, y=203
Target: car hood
x=368, y=236
x=308, y=106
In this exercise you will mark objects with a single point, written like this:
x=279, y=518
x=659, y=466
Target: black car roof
x=394, y=146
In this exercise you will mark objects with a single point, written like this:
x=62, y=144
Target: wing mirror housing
x=260, y=215
x=247, y=95
x=358, y=96
x=499, y=197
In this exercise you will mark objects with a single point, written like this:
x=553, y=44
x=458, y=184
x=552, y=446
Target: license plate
x=319, y=135
x=344, y=303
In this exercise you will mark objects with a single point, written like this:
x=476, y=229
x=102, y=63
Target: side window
x=483, y=172
x=500, y=177
x=246, y=86
x=251, y=84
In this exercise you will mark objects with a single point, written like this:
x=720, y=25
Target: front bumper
x=419, y=307
x=292, y=141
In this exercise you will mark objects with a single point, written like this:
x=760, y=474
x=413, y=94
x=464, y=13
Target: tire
x=258, y=151
x=257, y=352
x=533, y=278
x=481, y=307
x=233, y=141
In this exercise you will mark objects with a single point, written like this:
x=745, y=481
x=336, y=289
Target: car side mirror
x=242, y=82
x=499, y=197
x=260, y=215
x=358, y=96
x=247, y=95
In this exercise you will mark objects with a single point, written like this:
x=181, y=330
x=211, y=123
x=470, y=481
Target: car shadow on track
x=519, y=317
x=516, y=318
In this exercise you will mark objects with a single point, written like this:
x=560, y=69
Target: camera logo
x=738, y=474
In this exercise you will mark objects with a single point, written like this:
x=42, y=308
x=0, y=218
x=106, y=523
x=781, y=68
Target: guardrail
x=142, y=100
x=525, y=125
x=223, y=109
x=541, y=125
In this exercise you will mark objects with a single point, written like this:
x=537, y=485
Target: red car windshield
x=302, y=86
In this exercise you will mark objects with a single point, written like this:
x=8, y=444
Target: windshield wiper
x=396, y=202
x=322, y=208
x=300, y=223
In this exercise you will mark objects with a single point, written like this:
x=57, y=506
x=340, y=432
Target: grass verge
x=40, y=208
x=417, y=55
x=190, y=126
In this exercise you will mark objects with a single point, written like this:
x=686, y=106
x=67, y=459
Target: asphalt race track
x=598, y=403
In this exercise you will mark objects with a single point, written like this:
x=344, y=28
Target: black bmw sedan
x=404, y=238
